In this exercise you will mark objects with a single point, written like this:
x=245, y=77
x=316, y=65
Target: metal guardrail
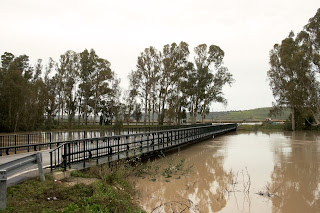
x=11, y=144
x=124, y=146
x=13, y=167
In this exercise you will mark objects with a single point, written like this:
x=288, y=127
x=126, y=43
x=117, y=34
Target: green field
x=259, y=114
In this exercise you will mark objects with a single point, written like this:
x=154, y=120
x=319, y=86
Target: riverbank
x=97, y=189
x=263, y=126
x=274, y=127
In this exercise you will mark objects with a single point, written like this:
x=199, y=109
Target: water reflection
x=204, y=188
x=296, y=173
x=281, y=168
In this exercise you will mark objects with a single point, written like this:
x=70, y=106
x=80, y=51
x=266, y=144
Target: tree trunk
x=145, y=109
x=16, y=123
x=293, y=122
x=79, y=115
x=163, y=105
x=59, y=111
x=315, y=117
x=204, y=110
x=153, y=109
x=86, y=112
x=193, y=117
x=149, y=112
x=62, y=109
x=159, y=109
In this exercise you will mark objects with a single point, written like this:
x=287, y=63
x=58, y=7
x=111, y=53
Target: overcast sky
x=119, y=30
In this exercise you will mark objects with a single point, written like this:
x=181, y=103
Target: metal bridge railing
x=12, y=144
x=129, y=145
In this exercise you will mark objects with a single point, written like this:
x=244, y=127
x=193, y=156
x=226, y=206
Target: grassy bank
x=95, y=190
x=277, y=127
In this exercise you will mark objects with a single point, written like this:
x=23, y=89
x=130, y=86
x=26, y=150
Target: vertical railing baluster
x=65, y=157
x=69, y=155
x=84, y=153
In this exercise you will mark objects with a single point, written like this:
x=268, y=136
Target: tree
x=37, y=99
x=101, y=79
x=144, y=79
x=16, y=93
x=67, y=76
x=311, y=38
x=51, y=93
x=290, y=77
x=110, y=107
x=137, y=114
x=173, y=72
x=96, y=77
x=206, y=79
x=129, y=103
x=312, y=29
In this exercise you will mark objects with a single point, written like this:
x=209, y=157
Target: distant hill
x=259, y=114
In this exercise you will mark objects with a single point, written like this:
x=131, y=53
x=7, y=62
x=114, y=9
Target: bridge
x=86, y=152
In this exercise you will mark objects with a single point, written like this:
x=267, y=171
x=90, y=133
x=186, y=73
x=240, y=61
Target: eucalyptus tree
x=111, y=106
x=51, y=92
x=129, y=104
x=67, y=75
x=290, y=75
x=144, y=80
x=87, y=66
x=311, y=37
x=16, y=77
x=36, y=99
x=173, y=72
x=313, y=30
x=96, y=78
x=137, y=114
x=101, y=84
x=207, y=79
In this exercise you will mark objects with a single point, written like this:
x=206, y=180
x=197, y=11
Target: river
x=241, y=172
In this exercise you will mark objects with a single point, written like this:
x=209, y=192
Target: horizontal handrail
x=80, y=150
x=17, y=142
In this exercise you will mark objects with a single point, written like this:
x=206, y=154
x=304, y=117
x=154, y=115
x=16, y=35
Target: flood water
x=242, y=172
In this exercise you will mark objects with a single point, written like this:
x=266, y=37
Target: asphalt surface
x=30, y=172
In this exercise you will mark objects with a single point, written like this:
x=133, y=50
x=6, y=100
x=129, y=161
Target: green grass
x=259, y=114
x=110, y=193
x=264, y=126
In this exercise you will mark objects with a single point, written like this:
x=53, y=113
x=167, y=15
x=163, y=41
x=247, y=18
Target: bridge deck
x=88, y=152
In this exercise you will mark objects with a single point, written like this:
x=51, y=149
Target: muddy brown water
x=242, y=172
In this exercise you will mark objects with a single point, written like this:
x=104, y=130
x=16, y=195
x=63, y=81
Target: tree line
x=165, y=85
x=169, y=85
x=294, y=74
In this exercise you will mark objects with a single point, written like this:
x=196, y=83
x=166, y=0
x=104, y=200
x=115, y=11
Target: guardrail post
x=39, y=162
x=3, y=189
